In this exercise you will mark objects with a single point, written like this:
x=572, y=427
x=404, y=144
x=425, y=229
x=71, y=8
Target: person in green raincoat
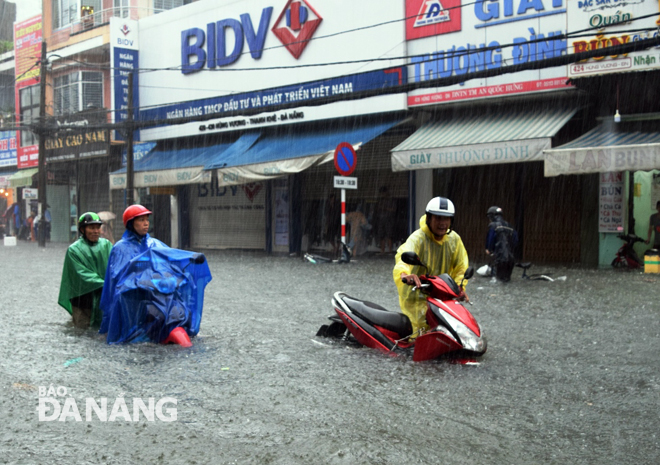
x=440, y=248
x=83, y=273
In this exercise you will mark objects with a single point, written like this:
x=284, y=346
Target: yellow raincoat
x=447, y=255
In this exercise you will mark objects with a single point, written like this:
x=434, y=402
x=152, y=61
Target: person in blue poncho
x=151, y=292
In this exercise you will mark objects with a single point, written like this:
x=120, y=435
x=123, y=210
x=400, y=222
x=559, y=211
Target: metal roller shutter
x=228, y=217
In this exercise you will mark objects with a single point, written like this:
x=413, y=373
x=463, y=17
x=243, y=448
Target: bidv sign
x=294, y=28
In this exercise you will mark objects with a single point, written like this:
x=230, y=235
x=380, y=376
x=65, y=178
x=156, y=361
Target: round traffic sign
x=345, y=159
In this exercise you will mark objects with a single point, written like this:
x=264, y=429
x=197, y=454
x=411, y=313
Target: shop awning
x=170, y=167
x=609, y=147
x=23, y=178
x=481, y=138
x=258, y=157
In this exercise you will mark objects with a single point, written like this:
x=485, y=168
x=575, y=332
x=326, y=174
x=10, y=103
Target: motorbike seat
x=379, y=316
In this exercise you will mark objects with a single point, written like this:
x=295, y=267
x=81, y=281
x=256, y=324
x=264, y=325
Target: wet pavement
x=571, y=374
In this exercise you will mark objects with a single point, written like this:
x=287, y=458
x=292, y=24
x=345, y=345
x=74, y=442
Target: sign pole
x=130, y=194
x=343, y=216
x=42, y=177
x=345, y=162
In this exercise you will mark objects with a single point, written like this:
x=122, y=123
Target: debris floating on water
x=72, y=361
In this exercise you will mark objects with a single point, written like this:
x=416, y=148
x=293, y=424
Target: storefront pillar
x=423, y=193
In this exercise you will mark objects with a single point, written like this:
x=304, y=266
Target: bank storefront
x=250, y=180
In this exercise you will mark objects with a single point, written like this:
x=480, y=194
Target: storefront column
x=423, y=193
x=174, y=221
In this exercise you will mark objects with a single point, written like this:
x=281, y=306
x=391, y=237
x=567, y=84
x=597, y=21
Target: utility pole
x=42, y=146
x=129, y=143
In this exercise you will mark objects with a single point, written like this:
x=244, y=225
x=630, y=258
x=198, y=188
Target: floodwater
x=571, y=374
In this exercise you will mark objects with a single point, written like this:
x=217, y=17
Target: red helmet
x=133, y=212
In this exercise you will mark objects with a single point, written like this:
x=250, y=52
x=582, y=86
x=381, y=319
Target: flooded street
x=571, y=374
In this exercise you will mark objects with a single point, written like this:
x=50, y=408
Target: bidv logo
x=252, y=189
x=124, y=29
x=425, y=18
x=294, y=28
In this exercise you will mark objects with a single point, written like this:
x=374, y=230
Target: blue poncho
x=151, y=289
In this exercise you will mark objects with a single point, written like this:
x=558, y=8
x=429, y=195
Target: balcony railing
x=89, y=19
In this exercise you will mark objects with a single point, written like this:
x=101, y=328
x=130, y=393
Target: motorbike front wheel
x=619, y=263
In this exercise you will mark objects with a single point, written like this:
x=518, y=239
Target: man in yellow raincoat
x=440, y=248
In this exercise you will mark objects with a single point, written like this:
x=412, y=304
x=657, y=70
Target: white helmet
x=440, y=206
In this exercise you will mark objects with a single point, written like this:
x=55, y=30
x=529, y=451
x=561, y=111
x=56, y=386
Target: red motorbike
x=626, y=257
x=453, y=328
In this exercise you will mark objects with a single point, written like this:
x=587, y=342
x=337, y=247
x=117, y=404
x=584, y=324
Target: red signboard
x=425, y=18
x=27, y=48
x=488, y=91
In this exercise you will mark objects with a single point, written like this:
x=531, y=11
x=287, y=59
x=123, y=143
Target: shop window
x=78, y=91
x=121, y=8
x=29, y=113
x=90, y=13
x=162, y=5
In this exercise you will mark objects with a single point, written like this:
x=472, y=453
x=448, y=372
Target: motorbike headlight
x=469, y=339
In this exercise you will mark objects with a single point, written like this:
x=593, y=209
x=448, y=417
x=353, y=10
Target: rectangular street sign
x=345, y=182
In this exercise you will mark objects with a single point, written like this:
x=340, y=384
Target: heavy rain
x=257, y=137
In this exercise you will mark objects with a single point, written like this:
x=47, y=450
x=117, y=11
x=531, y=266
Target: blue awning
x=609, y=147
x=257, y=157
x=170, y=167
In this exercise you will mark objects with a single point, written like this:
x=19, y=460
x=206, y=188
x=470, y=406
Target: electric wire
x=453, y=54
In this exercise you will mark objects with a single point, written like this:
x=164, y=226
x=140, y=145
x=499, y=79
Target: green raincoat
x=447, y=255
x=83, y=272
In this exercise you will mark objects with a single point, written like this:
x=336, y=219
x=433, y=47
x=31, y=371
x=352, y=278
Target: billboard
x=209, y=59
x=492, y=35
x=7, y=148
x=617, y=23
x=124, y=59
x=27, y=52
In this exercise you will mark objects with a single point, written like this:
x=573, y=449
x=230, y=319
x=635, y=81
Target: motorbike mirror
x=197, y=259
x=411, y=258
x=469, y=273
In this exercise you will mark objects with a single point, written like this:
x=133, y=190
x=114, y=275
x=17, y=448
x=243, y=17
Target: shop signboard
x=655, y=189
x=140, y=150
x=616, y=23
x=644, y=157
x=221, y=55
x=611, y=205
x=7, y=148
x=30, y=193
x=77, y=144
x=27, y=46
x=480, y=36
x=124, y=58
